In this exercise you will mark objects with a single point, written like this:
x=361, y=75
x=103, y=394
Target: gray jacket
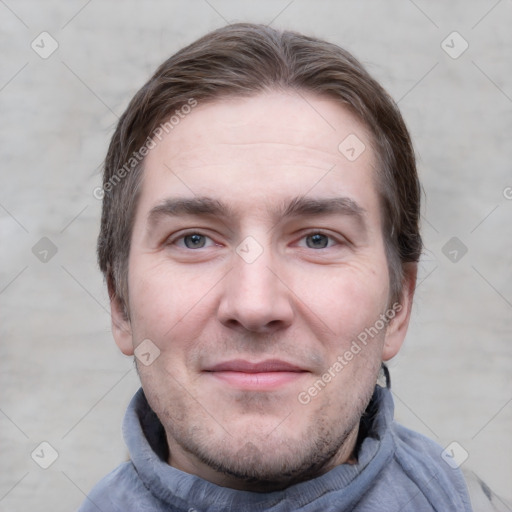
x=397, y=470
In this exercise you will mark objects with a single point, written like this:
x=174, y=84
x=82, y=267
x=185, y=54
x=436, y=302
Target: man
x=260, y=243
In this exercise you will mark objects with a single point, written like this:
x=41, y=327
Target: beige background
x=63, y=380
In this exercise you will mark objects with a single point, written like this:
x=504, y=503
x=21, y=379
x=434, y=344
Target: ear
x=397, y=327
x=121, y=327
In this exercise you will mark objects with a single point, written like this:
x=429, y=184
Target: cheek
x=164, y=301
x=348, y=298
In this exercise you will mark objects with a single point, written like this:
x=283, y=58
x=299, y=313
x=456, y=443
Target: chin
x=270, y=461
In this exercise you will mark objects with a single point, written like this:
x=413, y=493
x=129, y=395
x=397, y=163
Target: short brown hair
x=243, y=60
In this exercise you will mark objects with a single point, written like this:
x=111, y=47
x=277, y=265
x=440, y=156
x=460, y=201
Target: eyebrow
x=302, y=206
x=297, y=207
x=175, y=207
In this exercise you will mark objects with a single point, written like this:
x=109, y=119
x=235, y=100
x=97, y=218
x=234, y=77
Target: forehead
x=299, y=119
x=263, y=148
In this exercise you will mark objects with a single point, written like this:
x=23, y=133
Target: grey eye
x=317, y=241
x=194, y=241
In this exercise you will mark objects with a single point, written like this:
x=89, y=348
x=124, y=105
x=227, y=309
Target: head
x=260, y=224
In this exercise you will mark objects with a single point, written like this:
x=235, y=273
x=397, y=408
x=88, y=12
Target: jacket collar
x=346, y=483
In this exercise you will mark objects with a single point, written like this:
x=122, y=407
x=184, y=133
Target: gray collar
x=345, y=484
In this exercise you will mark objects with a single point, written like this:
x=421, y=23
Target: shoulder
x=433, y=470
x=119, y=491
x=414, y=449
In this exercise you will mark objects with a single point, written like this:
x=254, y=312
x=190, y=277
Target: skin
x=303, y=299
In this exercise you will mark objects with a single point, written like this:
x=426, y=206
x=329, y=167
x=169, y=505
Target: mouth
x=261, y=376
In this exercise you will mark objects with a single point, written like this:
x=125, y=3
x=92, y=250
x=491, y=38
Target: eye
x=318, y=240
x=194, y=241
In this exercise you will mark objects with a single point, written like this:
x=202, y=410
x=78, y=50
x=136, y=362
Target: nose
x=255, y=297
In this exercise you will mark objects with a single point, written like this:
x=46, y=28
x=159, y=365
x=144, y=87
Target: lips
x=261, y=376
x=271, y=365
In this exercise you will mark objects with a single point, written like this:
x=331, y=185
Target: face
x=257, y=265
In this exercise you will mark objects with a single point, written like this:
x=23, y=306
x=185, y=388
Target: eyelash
x=182, y=237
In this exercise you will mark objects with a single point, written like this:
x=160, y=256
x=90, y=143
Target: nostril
x=274, y=324
x=254, y=326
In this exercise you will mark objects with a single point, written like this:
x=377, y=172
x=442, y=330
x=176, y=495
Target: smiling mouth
x=262, y=376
